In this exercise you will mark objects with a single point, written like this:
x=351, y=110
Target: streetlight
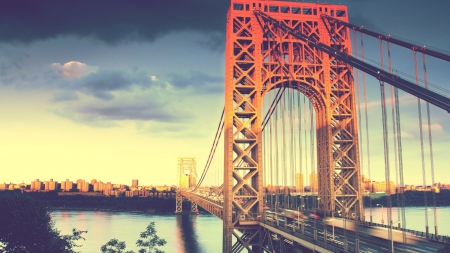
x=332, y=218
x=382, y=213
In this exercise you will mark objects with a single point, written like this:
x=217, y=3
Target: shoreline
x=150, y=211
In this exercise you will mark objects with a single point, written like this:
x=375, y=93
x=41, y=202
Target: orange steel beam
x=261, y=57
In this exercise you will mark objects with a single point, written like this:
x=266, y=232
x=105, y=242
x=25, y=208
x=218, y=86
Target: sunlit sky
x=119, y=90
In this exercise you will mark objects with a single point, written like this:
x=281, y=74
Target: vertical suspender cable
x=400, y=160
x=277, y=164
x=430, y=139
x=421, y=146
x=358, y=104
x=291, y=141
x=283, y=147
x=306, y=150
x=300, y=151
x=394, y=131
x=386, y=151
x=270, y=152
x=367, y=125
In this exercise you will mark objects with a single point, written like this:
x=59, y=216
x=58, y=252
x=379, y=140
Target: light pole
x=332, y=218
x=382, y=213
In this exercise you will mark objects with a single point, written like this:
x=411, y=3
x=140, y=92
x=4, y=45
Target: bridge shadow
x=186, y=234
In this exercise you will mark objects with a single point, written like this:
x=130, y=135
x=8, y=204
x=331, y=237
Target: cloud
x=435, y=128
x=90, y=120
x=103, y=83
x=63, y=96
x=407, y=135
x=199, y=81
x=112, y=22
x=133, y=111
x=73, y=69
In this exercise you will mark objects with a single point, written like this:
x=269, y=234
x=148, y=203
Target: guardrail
x=421, y=234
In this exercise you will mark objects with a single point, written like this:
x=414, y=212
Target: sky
x=119, y=91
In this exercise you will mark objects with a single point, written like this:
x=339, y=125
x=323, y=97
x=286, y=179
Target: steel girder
x=328, y=83
x=260, y=57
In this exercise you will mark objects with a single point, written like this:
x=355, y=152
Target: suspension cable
x=367, y=124
x=421, y=145
x=394, y=131
x=386, y=151
x=430, y=139
x=358, y=103
x=212, y=151
x=300, y=151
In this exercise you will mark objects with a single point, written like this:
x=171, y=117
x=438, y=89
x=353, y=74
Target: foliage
x=114, y=246
x=412, y=198
x=151, y=240
x=140, y=204
x=26, y=226
x=148, y=239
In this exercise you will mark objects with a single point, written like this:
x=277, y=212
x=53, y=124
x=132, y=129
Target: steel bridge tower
x=261, y=57
x=187, y=178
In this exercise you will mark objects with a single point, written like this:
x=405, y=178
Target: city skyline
x=94, y=99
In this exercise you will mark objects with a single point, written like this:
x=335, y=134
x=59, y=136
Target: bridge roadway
x=312, y=236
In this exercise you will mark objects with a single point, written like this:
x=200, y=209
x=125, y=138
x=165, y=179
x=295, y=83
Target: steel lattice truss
x=261, y=56
x=328, y=83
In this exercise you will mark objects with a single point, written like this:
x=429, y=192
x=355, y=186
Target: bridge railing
x=421, y=234
x=331, y=245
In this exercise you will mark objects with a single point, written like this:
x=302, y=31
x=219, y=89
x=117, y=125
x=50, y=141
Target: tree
x=26, y=226
x=114, y=246
x=152, y=240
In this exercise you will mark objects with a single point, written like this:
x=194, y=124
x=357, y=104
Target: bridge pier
x=179, y=203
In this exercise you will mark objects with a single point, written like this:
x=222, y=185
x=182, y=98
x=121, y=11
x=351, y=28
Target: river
x=192, y=233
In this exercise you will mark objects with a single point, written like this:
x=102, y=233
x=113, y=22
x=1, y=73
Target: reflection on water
x=183, y=233
x=192, y=233
x=187, y=235
x=415, y=217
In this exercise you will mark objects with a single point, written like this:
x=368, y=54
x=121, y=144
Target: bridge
x=293, y=103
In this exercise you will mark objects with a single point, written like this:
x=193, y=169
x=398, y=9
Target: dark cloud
x=103, y=82
x=133, y=111
x=201, y=82
x=413, y=20
x=64, y=96
x=112, y=21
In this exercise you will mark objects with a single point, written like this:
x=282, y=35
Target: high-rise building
x=134, y=183
x=299, y=182
x=84, y=187
x=36, y=185
x=383, y=187
x=313, y=182
x=52, y=185
x=3, y=187
x=80, y=183
x=67, y=185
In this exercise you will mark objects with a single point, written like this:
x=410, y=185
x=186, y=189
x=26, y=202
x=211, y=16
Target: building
x=36, y=185
x=313, y=182
x=66, y=185
x=299, y=184
x=388, y=188
x=134, y=183
x=53, y=185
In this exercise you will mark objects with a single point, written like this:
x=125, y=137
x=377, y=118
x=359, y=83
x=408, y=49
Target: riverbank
x=99, y=203
x=167, y=205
